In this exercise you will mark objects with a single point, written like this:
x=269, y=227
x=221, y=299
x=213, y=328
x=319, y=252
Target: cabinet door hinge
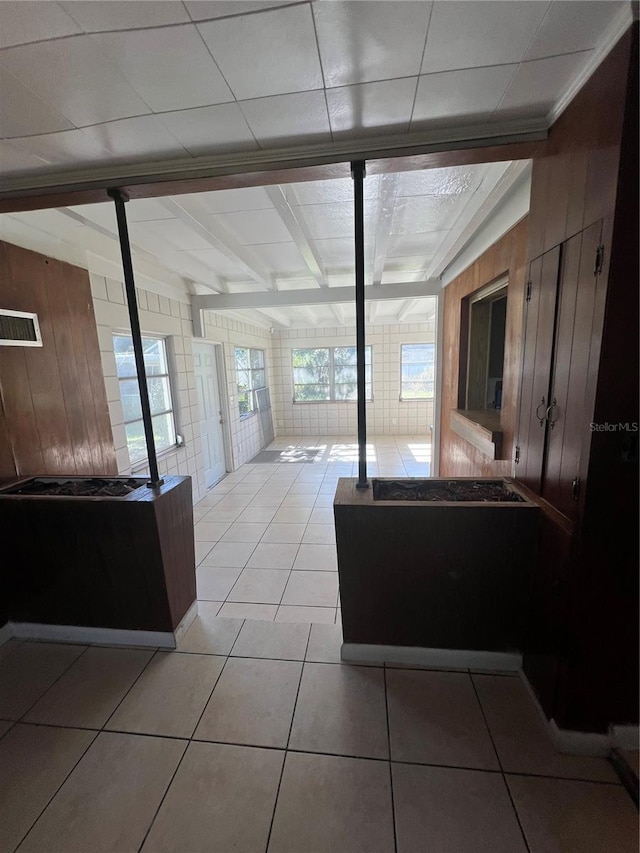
x=517, y=458
x=527, y=296
x=597, y=267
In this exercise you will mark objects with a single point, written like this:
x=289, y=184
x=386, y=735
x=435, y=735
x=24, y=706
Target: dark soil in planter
x=493, y=491
x=94, y=488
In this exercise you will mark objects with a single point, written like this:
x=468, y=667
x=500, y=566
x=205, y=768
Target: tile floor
x=253, y=737
x=265, y=538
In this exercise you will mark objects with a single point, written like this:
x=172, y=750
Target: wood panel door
x=539, y=324
x=568, y=418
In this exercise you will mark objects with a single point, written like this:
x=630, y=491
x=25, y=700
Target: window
x=417, y=371
x=328, y=374
x=486, y=315
x=250, y=375
x=156, y=369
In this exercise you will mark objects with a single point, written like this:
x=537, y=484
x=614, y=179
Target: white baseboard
x=92, y=636
x=417, y=656
x=185, y=622
x=595, y=744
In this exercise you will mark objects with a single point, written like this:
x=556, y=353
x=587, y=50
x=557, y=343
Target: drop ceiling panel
x=25, y=22
x=135, y=137
x=471, y=34
x=23, y=113
x=441, y=182
x=202, y=10
x=74, y=80
x=255, y=227
x=173, y=231
x=372, y=107
x=170, y=67
x=338, y=189
x=16, y=159
x=281, y=258
x=340, y=251
x=220, y=264
x=428, y=213
x=422, y=245
x=210, y=129
x=146, y=210
x=267, y=53
x=360, y=42
x=288, y=119
x=534, y=85
x=232, y=201
x=469, y=95
x=123, y=14
x=68, y=146
x=572, y=26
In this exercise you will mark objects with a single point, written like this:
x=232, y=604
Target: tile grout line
x=286, y=749
x=495, y=749
x=393, y=806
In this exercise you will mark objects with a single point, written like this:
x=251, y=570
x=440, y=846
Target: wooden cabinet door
x=539, y=323
x=568, y=420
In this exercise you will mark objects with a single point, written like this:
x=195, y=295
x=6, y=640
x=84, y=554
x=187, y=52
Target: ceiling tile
x=73, y=79
x=460, y=96
x=123, y=14
x=135, y=137
x=371, y=107
x=410, y=246
x=451, y=180
x=572, y=26
x=426, y=213
x=469, y=34
x=288, y=119
x=172, y=232
x=22, y=113
x=282, y=258
x=539, y=84
x=365, y=41
x=231, y=201
x=16, y=160
x=219, y=263
x=170, y=68
x=69, y=146
x=334, y=190
x=24, y=22
x=202, y=10
x=210, y=130
x=255, y=227
x=297, y=283
x=340, y=250
x=268, y=53
x=146, y=210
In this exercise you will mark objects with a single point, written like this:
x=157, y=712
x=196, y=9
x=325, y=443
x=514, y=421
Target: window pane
x=310, y=393
x=418, y=352
x=257, y=358
x=258, y=379
x=310, y=357
x=163, y=431
x=135, y=441
x=348, y=355
x=346, y=391
x=242, y=359
x=346, y=374
x=155, y=360
x=159, y=394
x=417, y=390
x=244, y=380
x=245, y=402
x=417, y=371
x=125, y=360
x=130, y=397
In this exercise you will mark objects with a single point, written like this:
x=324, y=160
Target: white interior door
x=211, y=432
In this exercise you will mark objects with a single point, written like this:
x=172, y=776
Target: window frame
x=163, y=341
x=402, y=397
x=251, y=390
x=332, y=376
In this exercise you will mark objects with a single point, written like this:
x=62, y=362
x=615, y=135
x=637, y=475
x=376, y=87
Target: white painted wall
x=171, y=318
x=386, y=414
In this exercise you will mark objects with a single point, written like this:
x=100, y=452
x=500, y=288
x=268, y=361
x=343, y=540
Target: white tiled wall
x=172, y=318
x=386, y=414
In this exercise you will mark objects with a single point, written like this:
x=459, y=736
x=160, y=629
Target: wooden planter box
x=105, y=562
x=435, y=575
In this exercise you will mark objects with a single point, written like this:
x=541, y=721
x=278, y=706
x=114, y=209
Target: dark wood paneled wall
x=458, y=458
x=54, y=417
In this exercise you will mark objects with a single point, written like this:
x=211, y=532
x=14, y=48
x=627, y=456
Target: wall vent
x=19, y=329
